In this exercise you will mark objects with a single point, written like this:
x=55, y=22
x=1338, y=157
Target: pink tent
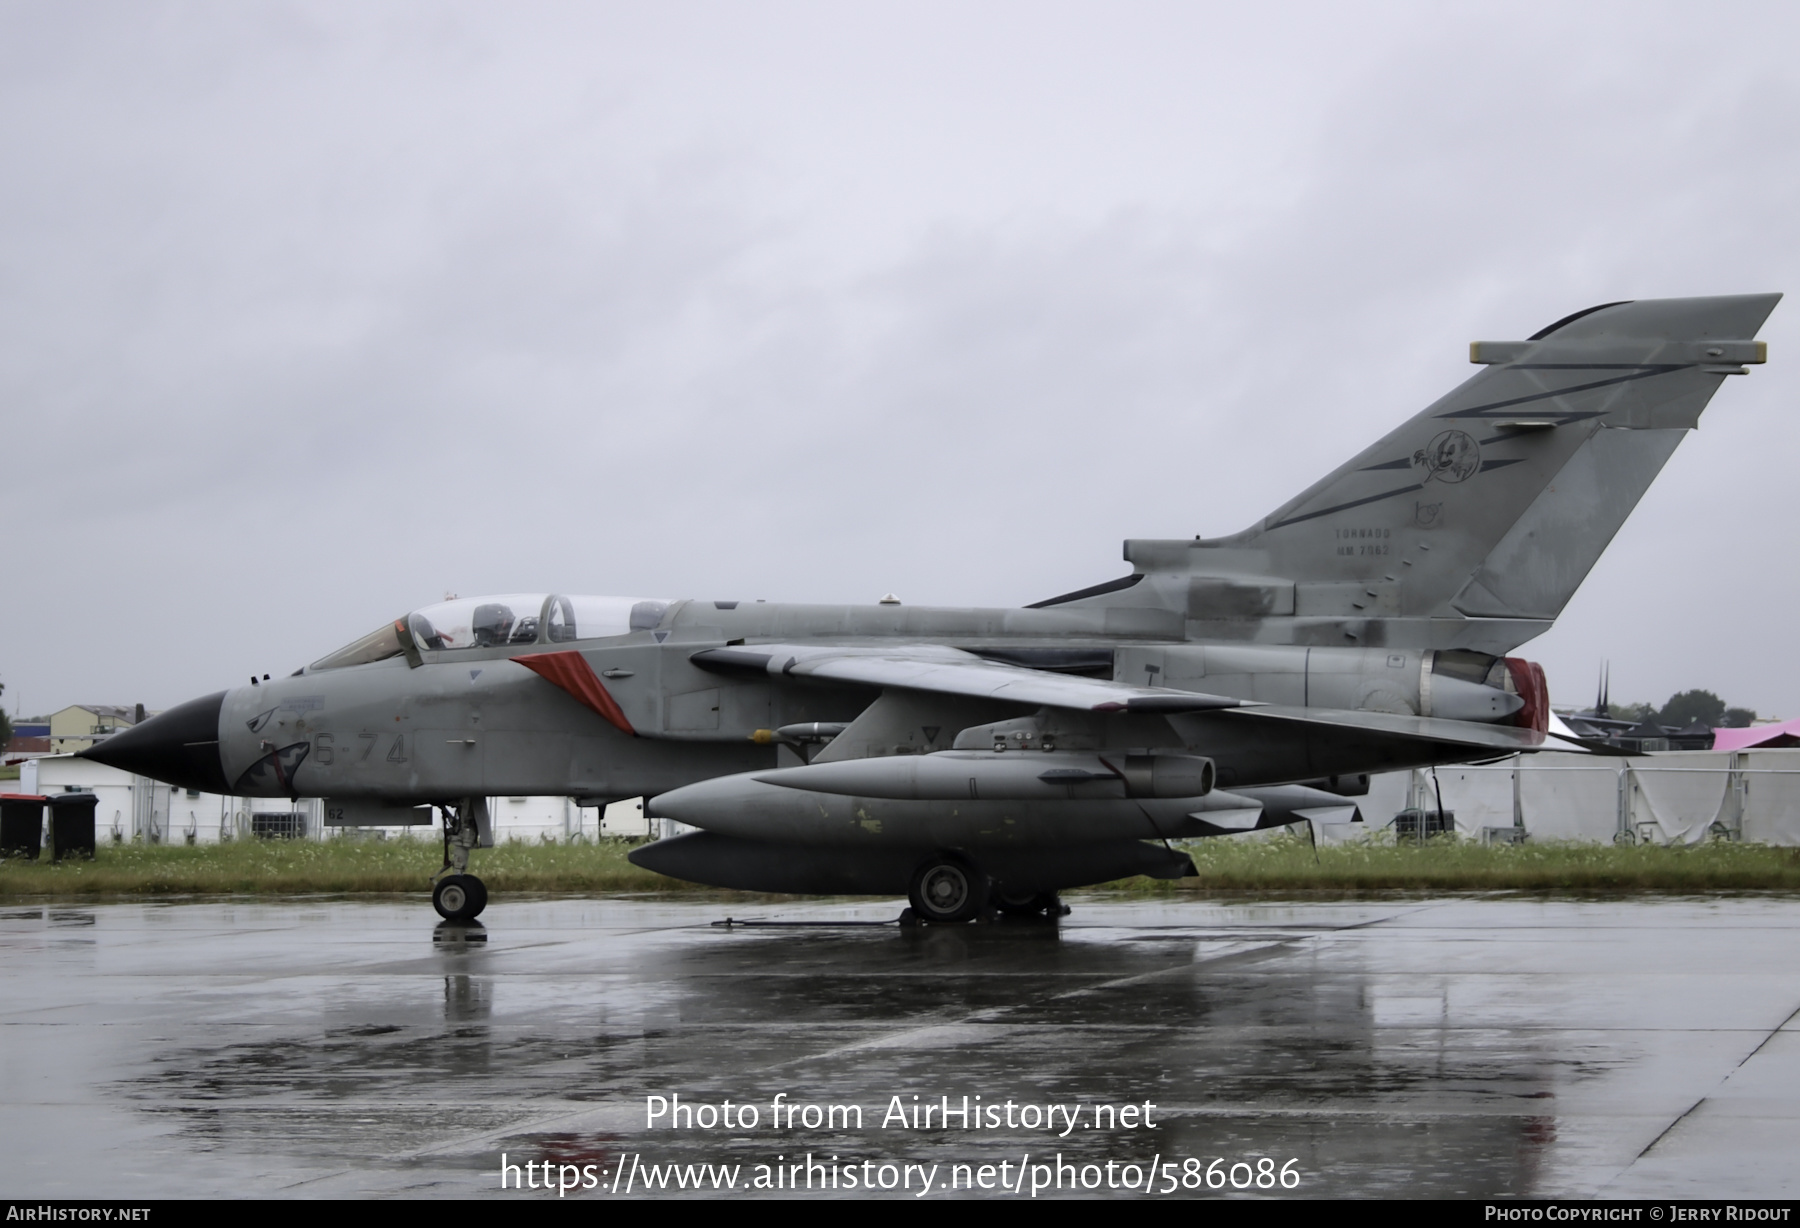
x=1787, y=733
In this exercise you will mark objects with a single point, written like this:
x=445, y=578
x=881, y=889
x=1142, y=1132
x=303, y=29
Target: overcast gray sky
x=310, y=313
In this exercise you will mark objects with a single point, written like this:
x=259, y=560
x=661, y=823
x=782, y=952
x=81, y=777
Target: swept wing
x=942, y=670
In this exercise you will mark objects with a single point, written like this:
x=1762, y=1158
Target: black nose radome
x=179, y=747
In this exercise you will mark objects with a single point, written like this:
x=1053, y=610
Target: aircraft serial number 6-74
x=977, y=758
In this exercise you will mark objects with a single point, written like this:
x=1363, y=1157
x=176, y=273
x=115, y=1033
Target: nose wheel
x=459, y=897
x=455, y=893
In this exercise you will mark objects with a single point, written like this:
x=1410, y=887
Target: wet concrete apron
x=1442, y=1048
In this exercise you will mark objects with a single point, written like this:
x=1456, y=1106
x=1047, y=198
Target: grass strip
x=299, y=867
x=1289, y=862
x=1284, y=864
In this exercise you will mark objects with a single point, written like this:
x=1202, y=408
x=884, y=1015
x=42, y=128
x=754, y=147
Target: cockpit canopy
x=508, y=618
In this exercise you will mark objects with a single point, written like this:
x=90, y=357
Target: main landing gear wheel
x=459, y=897
x=1028, y=903
x=946, y=889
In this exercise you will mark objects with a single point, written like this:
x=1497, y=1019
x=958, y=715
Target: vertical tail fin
x=1474, y=522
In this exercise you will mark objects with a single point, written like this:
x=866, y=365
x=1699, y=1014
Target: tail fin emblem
x=1452, y=456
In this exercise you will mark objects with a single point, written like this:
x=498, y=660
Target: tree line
x=1686, y=707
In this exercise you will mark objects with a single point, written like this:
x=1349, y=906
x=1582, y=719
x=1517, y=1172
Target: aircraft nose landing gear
x=459, y=897
x=456, y=894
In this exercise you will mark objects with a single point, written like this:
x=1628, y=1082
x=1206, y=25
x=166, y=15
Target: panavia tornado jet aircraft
x=977, y=758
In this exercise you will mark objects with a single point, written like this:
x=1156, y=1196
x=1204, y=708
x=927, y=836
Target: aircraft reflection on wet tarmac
x=1428, y=1048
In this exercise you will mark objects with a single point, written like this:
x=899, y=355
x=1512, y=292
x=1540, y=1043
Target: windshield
x=378, y=645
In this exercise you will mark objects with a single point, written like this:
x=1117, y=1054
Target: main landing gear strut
x=456, y=894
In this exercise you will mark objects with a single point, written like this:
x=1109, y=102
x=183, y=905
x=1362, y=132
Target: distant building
x=1642, y=737
x=30, y=740
x=1773, y=734
x=79, y=726
x=1698, y=735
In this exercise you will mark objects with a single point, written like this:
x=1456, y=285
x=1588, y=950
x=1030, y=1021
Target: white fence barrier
x=1680, y=797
